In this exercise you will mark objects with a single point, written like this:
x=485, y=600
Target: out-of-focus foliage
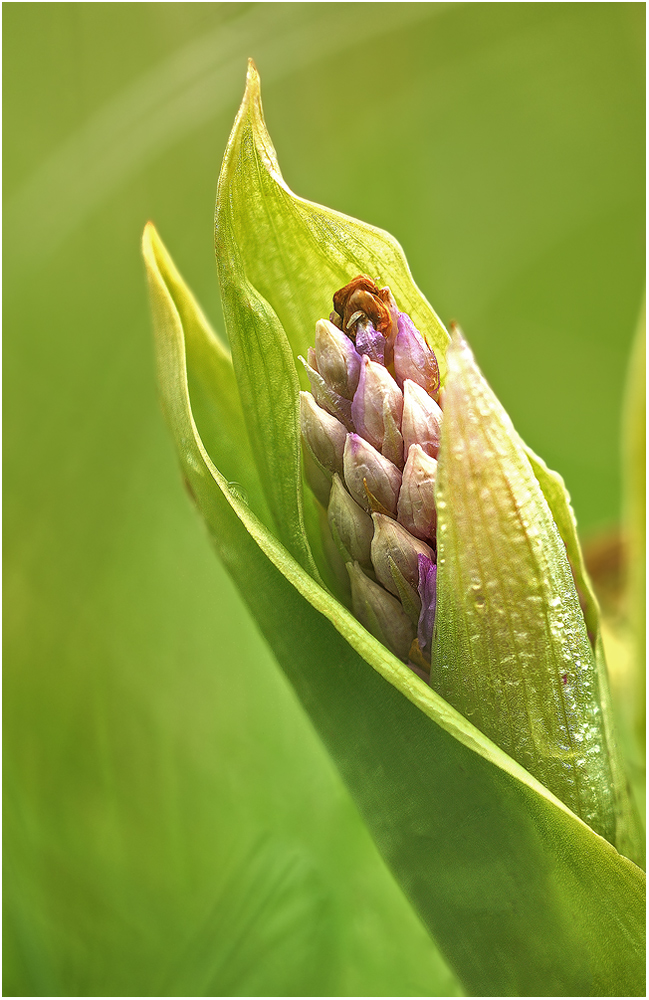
x=172, y=823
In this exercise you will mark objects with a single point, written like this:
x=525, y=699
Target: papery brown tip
x=362, y=295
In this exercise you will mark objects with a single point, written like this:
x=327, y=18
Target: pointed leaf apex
x=149, y=238
x=252, y=95
x=459, y=353
x=252, y=110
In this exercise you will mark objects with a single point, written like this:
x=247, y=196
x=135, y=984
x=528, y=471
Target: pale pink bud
x=413, y=358
x=350, y=526
x=325, y=396
x=393, y=546
x=416, y=506
x=422, y=419
x=324, y=435
x=367, y=470
x=392, y=446
x=377, y=408
x=337, y=359
x=380, y=613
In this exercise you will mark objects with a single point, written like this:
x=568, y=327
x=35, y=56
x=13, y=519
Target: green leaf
x=511, y=648
x=629, y=834
x=216, y=407
x=522, y=897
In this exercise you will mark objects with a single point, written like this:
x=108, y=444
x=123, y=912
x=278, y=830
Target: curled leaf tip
x=149, y=233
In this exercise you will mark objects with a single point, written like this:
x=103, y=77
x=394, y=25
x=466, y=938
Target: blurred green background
x=172, y=824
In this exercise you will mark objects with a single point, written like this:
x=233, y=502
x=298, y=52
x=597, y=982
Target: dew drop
x=238, y=492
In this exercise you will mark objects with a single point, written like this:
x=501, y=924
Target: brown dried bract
x=362, y=295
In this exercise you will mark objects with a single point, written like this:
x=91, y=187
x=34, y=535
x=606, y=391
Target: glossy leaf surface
x=512, y=651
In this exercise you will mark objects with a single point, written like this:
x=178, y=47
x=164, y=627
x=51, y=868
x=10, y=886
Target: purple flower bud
x=367, y=470
x=380, y=613
x=324, y=435
x=328, y=398
x=413, y=357
x=428, y=594
x=350, y=526
x=416, y=507
x=422, y=419
x=376, y=410
x=395, y=548
x=336, y=359
x=370, y=342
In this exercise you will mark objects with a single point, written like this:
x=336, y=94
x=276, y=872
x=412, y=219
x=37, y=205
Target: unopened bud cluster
x=371, y=432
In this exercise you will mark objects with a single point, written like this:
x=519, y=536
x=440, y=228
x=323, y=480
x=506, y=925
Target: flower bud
x=366, y=470
x=427, y=588
x=317, y=477
x=413, y=357
x=392, y=447
x=380, y=613
x=350, y=526
x=336, y=561
x=376, y=410
x=324, y=434
x=388, y=300
x=326, y=397
x=416, y=506
x=336, y=359
x=422, y=419
x=395, y=548
x=370, y=343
